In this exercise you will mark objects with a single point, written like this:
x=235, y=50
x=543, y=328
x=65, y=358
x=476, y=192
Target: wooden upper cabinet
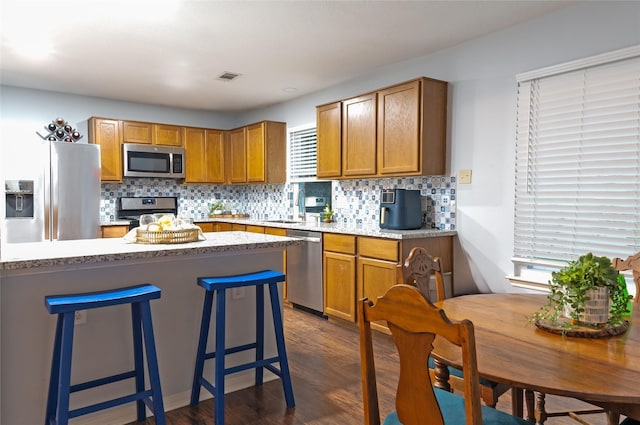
x=399, y=144
x=412, y=128
x=396, y=131
x=214, y=155
x=106, y=133
x=168, y=135
x=194, y=145
x=204, y=150
x=257, y=153
x=237, y=155
x=137, y=132
x=267, y=152
x=329, y=140
x=359, y=136
x=256, y=150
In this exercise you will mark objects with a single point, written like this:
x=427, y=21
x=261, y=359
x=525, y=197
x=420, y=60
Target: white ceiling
x=170, y=52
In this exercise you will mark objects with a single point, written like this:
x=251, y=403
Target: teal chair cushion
x=457, y=372
x=452, y=408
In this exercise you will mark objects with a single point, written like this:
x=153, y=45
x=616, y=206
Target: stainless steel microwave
x=152, y=161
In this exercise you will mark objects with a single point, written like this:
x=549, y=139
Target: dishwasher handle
x=307, y=238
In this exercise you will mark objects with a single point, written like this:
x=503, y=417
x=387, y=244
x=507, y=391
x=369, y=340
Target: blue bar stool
x=60, y=387
x=218, y=286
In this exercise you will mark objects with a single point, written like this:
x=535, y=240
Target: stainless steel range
x=130, y=208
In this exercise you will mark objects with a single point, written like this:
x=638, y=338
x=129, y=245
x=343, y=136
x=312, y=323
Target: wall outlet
x=237, y=293
x=464, y=176
x=80, y=317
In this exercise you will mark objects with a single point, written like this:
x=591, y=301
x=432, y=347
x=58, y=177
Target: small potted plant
x=588, y=292
x=216, y=208
x=327, y=214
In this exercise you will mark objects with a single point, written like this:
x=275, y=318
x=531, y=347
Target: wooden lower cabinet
x=339, y=274
x=362, y=266
x=206, y=226
x=375, y=277
x=113, y=231
x=339, y=286
x=254, y=229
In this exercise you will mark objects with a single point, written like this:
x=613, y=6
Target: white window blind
x=302, y=153
x=577, y=186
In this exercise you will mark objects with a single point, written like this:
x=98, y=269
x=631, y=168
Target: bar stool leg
x=52, y=397
x=259, y=332
x=137, y=358
x=152, y=363
x=219, y=356
x=282, y=352
x=202, y=347
x=63, y=369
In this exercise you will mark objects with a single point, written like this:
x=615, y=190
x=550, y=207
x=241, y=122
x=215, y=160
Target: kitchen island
x=102, y=345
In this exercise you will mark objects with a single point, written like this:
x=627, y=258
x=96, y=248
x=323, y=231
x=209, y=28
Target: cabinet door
x=168, y=135
x=224, y=227
x=256, y=136
x=206, y=226
x=137, y=132
x=375, y=277
x=359, y=136
x=238, y=155
x=214, y=156
x=339, y=285
x=399, y=140
x=329, y=140
x=254, y=229
x=113, y=231
x=194, y=144
x=106, y=133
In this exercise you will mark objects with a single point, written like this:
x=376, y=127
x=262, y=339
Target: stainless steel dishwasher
x=304, y=271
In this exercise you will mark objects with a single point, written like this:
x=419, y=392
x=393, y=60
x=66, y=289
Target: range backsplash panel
x=355, y=202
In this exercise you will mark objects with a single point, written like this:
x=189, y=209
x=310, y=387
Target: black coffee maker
x=400, y=209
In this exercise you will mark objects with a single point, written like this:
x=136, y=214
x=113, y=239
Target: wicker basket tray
x=167, y=236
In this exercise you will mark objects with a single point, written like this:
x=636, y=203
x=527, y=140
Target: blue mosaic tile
x=354, y=201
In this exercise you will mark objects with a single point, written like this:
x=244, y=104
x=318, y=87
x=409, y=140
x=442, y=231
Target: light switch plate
x=464, y=176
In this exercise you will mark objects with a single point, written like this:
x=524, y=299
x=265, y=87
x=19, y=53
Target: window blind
x=577, y=183
x=302, y=154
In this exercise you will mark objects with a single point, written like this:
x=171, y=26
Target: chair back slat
x=419, y=267
x=414, y=323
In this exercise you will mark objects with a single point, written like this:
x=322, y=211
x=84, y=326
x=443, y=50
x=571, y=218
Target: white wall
x=481, y=115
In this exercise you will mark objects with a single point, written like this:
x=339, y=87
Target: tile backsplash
x=355, y=202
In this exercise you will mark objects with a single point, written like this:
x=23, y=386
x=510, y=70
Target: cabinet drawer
x=339, y=243
x=384, y=249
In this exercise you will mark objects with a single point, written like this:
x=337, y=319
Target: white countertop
x=50, y=253
x=337, y=227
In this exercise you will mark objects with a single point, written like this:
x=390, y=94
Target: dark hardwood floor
x=325, y=367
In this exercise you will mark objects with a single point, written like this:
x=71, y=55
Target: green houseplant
x=327, y=214
x=572, y=287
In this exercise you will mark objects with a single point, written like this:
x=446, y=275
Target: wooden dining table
x=511, y=349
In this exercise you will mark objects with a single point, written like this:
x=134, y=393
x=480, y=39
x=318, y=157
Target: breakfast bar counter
x=30, y=271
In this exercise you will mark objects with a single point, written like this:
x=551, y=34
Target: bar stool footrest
x=102, y=381
x=145, y=396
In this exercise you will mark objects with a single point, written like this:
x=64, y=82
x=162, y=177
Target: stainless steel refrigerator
x=63, y=200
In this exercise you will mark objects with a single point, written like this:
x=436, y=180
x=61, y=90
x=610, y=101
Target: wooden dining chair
x=420, y=267
x=414, y=324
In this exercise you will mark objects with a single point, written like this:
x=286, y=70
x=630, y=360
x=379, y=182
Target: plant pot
x=327, y=220
x=596, y=309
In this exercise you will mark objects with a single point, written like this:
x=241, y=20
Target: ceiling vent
x=228, y=76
